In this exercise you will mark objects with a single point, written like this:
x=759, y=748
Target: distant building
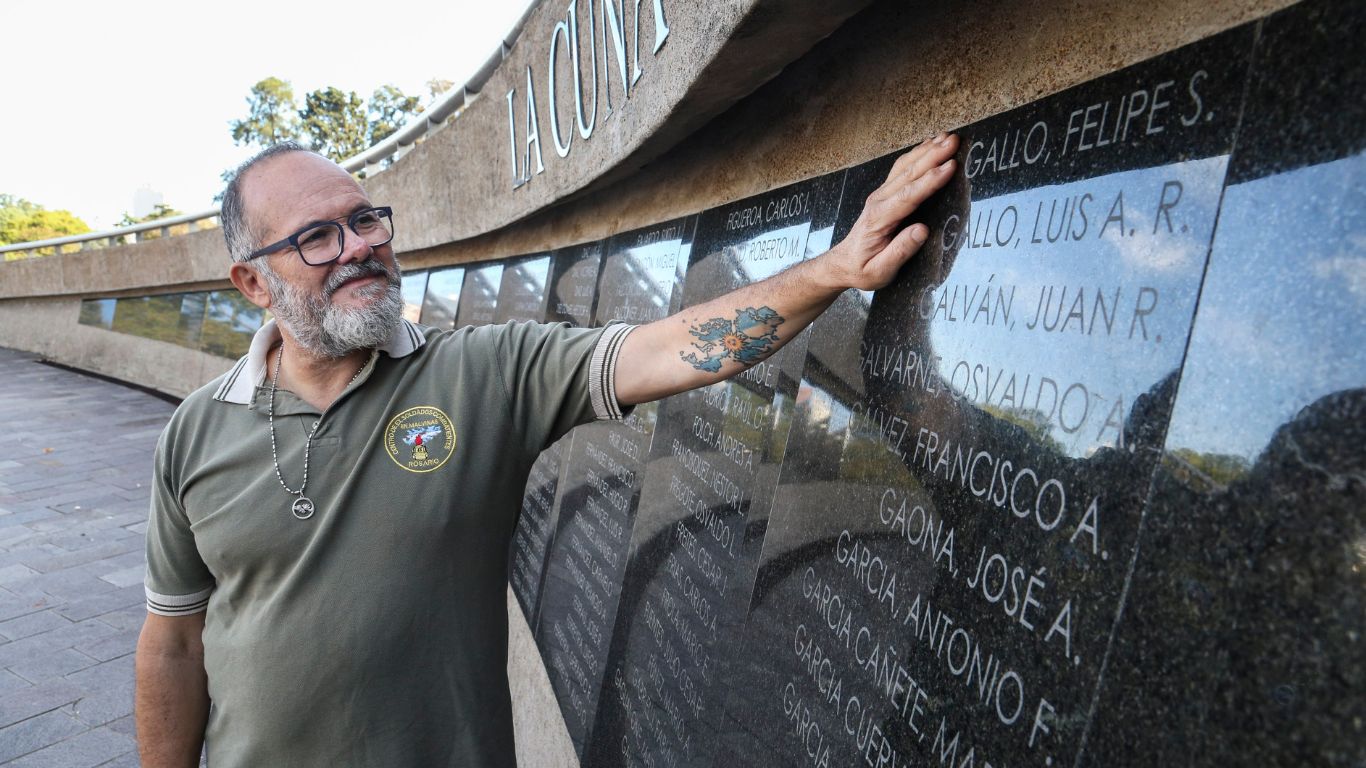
x=145, y=199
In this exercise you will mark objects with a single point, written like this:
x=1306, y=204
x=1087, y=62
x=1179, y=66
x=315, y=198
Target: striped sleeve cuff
x=602, y=372
x=177, y=605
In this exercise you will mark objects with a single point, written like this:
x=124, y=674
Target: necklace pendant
x=303, y=508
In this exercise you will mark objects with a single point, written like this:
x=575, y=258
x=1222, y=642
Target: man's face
x=352, y=303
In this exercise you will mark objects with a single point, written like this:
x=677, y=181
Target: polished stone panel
x=442, y=299
x=230, y=322
x=414, y=291
x=963, y=489
x=600, y=490
x=98, y=312
x=535, y=526
x=522, y=292
x=570, y=291
x=1241, y=638
x=706, y=494
x=479, y=294
x=1083, y=486
x=573, y=286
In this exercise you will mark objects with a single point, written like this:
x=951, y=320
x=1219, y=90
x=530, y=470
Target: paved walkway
x=75, y=459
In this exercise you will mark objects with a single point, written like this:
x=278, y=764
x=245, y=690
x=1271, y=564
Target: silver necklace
x=302, y=507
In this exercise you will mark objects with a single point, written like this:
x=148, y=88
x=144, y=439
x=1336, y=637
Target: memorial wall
x=1083, y=486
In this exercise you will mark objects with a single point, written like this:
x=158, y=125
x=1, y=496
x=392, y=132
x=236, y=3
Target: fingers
x=924, y=157
x=915, y=176
x=883, y=267
x=910, y=195
x=909, y=158
x=936, y=151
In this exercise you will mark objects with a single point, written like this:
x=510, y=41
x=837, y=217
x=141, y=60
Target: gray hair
x=236, y=229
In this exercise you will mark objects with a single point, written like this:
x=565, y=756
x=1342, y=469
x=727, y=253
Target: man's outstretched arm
x=172, y=699
x=716, y=340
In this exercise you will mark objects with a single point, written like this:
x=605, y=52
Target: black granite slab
x=1241, y=638
x=442, y=299
x=573, y=284
x=414, y=290
x=522, y=289
x=479, y=294
x=601, y=486
x=535, y=527
x=705, y=498
x=963, y=489
x=571, y=288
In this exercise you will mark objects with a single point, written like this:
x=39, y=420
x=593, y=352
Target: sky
x=106, y=98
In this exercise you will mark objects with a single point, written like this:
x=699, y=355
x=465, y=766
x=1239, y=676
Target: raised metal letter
x=612, y=14
x=561, y=147
x=512, y=141
x=586, y=125
x=533, y=129
x=661, y=26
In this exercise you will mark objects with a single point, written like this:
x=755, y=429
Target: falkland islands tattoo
x=747, y=340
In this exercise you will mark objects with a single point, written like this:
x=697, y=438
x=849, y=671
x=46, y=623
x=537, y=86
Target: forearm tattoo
x=747, y=340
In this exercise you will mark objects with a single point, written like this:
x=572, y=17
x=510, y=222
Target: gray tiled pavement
x=75, y=458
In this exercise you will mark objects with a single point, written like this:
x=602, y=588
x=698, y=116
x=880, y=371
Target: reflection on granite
x=522, y=289
x=602, y=478
x=965, y=476
x=573, y=284
x=569, y=287
x=535, y=526
x=479, y=294
x=442, y=299
x=1241, y=639
x=1083, y=486
x=707, y=488
x=414, y=291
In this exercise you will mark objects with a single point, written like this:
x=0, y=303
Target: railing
x=373, y=160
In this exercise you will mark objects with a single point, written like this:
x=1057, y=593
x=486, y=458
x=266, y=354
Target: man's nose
x=354, y=247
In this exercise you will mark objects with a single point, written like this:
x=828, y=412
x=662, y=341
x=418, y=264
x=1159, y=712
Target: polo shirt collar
x=250, y=372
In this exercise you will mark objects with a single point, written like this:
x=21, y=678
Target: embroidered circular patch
x=420, y=439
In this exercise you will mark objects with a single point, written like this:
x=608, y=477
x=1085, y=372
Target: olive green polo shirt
x=375, y=632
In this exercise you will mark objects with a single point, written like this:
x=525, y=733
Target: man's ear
x=249, y=282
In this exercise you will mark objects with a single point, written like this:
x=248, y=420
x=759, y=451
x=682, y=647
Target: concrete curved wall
x=744, y=96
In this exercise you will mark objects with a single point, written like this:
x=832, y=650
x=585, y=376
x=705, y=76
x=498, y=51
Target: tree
x=437, y=86
x=22, y=221
x=273, y=115
x=161, y=211
x=335, y=123
x=389, y=110
x=13, y=210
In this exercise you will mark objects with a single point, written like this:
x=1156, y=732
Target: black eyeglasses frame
x=383, y=211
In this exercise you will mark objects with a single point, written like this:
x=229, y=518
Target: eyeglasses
x=321, y=242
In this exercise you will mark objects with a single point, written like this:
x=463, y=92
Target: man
x=339, y=599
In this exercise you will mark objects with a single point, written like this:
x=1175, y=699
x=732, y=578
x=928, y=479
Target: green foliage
x=335, y=123
x=1221, y=469
x=161, y=211
x=22, y=221
x=389, y=110
x=272, y=116
x=436, y=87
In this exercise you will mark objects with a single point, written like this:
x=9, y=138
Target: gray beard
x=327, y=331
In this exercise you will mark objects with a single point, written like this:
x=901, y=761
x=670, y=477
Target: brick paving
x=75, y=459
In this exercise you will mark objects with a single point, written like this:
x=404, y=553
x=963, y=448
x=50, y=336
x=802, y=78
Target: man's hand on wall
x=712, y=341
x=870, y=256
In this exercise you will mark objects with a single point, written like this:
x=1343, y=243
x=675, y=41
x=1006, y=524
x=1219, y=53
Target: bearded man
x=320, y=591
